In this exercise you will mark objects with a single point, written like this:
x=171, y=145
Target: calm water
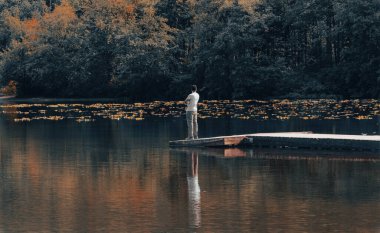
x=120, y=176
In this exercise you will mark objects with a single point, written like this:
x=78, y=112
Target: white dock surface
x=287, y=139
x=319, y=136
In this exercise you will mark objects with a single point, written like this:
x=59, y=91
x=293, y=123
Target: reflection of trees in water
x=318, y=177
x=271, y=195
x=47, y=170
x=62, y=171
x=326, y=178
x=76, y=181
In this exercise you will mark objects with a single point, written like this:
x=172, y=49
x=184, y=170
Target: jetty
x=304, y=140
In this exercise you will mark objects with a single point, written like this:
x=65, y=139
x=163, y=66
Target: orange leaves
x=31, y=24
x=31, y=29
x=9, y=89
x=14, y=23
x=130, y=9
x=122, y=6
x=116, y=9
x=112, y=15
x=60, y=18
x=27, y=30
x=244, y=110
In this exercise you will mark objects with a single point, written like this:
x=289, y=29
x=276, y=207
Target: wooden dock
x=305, y=140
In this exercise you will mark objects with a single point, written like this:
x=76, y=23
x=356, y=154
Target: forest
x=145, y=50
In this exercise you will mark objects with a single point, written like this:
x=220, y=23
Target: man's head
x=194, y=88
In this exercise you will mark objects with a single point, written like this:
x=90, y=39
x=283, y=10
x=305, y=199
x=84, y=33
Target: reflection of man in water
x=194, y=191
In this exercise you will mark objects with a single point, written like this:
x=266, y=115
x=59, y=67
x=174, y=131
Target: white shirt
x=192, y=101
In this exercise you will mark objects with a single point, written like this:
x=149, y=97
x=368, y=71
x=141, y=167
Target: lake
x=100, y=166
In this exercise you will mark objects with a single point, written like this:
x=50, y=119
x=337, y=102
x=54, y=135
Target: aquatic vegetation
x=322, y=109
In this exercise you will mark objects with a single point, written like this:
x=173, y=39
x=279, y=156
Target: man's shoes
x=196, y=137
x=188, y=138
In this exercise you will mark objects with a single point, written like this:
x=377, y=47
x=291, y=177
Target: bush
x=9, y=89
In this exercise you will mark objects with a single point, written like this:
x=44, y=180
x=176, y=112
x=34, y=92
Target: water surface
x=120, y=176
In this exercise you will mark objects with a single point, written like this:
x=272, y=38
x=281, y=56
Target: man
x=191, y=113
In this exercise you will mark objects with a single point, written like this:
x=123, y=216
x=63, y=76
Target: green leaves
x=230, y=49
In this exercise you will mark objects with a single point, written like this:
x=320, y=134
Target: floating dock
x=304, y=140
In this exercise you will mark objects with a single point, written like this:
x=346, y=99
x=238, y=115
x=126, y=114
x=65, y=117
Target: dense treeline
x=146, y=50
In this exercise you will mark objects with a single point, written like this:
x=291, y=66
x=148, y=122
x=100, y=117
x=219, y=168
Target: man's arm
x=187, y=100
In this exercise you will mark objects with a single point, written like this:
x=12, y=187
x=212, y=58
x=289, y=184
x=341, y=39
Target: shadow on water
x=282, y=153
x=331, y=174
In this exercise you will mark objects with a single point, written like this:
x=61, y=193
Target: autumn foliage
x=10, y=89
x=146, y=50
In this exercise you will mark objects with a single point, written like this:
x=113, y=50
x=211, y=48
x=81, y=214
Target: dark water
x=120, y=176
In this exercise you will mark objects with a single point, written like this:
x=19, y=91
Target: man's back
x=193, y=101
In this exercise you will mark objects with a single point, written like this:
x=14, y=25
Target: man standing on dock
x=191, y=113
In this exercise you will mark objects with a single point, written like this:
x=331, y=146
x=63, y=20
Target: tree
x=144, y=61
x=147, y=50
